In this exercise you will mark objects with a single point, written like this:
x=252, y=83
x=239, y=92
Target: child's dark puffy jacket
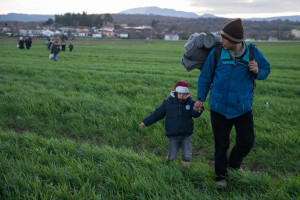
x=179, y=116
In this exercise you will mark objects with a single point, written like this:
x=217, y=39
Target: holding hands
x=198, y=106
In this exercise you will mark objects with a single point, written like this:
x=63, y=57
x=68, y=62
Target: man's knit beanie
x=181, y=87
x=233, y=31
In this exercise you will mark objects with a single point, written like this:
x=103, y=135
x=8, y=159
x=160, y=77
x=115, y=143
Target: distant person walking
x=27, y=43
x=63, y=44
x=48, y=43
x=70, y=47
x=179, y=126
x=231, y=96
x=30, y=41
x=55, y=50
x=21, y=43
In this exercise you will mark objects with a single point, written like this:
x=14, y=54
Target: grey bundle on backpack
x=195, y=41
x=197, y=49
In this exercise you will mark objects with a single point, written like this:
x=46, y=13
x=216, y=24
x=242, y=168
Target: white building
x=273, y=39
x=123, y=35
x=144, y=27
x=82, y=28
x=5, y=29
x=171, y=36
x=96, y=35
x=67, y=28
x=107, y=27
x=48, y=33
x=296, y=33
x=25, y=32
x=108, y=34
x=83, y=34
x=34, y=32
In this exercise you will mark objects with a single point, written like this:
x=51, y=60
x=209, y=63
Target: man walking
x=231, y=96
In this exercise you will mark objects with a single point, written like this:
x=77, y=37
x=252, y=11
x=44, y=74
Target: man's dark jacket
x=55, y=49
x=179, y=116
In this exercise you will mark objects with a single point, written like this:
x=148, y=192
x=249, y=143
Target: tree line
x=73, y=19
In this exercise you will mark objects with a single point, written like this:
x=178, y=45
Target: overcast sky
x=221, y=8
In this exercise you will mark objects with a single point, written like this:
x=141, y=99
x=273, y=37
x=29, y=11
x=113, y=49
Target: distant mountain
x=291, y=18
x=160, y=11
x=208, y=16
x=25, y=17
x=140, y=11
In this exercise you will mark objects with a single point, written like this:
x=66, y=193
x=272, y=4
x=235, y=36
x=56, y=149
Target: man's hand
x=198, y=106
x=253, y=67
x=142, y=125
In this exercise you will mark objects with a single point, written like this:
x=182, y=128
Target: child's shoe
x=185, y=164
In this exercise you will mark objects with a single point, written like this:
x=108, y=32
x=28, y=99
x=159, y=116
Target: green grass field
x=69, y=130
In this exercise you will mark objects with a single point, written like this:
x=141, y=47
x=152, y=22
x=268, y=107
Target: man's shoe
x=239, y=170
x=222, y=183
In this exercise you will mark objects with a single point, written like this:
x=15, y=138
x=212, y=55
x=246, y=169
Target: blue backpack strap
x=251, y=46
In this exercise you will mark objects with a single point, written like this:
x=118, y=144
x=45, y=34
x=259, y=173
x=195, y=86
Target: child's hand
x=142, y=124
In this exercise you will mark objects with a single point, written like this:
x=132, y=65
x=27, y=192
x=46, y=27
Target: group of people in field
x=27, y=42
x=56, y=47
x=231, y=83
x=52, y=45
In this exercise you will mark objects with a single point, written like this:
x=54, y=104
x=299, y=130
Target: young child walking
x=179, y=126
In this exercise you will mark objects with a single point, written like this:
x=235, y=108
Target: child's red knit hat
x=181, y=87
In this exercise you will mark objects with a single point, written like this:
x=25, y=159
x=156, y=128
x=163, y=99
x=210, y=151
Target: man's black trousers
x=244, y=141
